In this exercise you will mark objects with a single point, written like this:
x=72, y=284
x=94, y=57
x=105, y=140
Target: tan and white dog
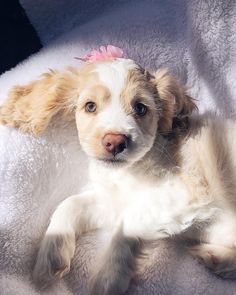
x=155, y=170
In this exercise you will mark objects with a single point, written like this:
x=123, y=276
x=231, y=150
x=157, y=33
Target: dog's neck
x=161, y=161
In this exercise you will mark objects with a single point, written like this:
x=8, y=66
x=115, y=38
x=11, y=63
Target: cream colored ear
x=31, y=107
x=175, y=103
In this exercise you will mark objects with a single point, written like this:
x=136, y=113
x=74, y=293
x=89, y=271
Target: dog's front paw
x=219, y=259
x=109, y=281
x=53, y=259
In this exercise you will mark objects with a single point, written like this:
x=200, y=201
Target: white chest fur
x=149, y=210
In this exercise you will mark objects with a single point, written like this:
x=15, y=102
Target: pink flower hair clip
x=104, y=53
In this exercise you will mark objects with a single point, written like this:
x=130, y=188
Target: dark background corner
x=18, y=38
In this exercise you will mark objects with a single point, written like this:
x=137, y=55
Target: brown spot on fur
x=137, y=88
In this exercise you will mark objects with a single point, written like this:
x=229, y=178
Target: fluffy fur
x=176, y=175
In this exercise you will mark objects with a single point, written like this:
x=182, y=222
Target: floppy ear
x=31, y=107
x=175, y=103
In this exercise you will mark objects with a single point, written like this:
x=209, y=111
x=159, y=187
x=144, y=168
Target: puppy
x=155, y=170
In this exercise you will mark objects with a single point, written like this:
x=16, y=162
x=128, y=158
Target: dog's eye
x=90, y=107
x=140, y=109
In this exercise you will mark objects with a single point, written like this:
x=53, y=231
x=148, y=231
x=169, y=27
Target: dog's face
x=119, y=107
x=117, y=113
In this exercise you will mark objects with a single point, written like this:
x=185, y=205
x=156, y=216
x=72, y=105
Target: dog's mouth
x=112, y=161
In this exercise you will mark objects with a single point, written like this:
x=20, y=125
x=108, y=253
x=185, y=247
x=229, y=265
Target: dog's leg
x=117, y=265
x=218, y=252
x=75, y=215
x=219, y=259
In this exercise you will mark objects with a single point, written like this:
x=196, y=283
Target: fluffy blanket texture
x=197, y=40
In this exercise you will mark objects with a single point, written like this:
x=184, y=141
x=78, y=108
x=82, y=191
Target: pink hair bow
x=104, y=53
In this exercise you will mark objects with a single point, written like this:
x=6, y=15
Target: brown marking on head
x=174, y=101
x=138, y=89
x=97, y=93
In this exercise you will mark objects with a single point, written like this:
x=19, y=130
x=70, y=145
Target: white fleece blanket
x=197, y=40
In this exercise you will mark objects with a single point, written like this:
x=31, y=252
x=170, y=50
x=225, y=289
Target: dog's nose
x=115, y=143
